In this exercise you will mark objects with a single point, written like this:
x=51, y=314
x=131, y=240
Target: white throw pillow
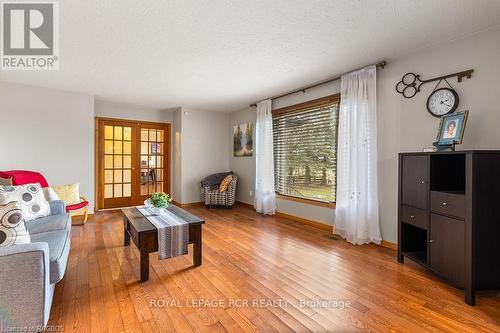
x=50, y=194
x=12, y=228
x=30, y=199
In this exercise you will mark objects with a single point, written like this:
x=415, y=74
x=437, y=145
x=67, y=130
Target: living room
x=266, y=166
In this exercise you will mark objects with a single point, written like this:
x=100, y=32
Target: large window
x=305, y=149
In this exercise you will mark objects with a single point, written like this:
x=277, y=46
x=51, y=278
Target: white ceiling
x=222, y=55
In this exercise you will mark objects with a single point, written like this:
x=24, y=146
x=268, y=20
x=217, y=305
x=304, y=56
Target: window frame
x=300, y=107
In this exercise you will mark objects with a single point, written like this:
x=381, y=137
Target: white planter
x=158, y=211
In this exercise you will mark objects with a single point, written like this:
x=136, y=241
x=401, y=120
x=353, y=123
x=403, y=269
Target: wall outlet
x=251, y=193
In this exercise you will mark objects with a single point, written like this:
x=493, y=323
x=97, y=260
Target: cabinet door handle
x=412, y=216
x=445, y=204
x=422, y=182
x=431, y=240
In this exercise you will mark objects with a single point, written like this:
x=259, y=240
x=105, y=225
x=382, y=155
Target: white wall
x=131, y=112
x=243, y=166
x=49, y=131
x=176, y=156
x=204, y=149
x=52, y=132
x=405, y=124
x=114, y=110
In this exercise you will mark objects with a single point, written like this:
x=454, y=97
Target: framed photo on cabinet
x=451, y=128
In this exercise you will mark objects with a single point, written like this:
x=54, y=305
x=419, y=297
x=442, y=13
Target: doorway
x=132, y=161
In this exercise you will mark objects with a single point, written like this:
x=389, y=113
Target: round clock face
x=442, y=101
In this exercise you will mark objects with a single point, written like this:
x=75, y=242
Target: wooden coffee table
x=145, y=235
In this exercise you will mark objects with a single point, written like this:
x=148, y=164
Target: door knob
x=445, y=204
x=412, y=216
x=431, y=240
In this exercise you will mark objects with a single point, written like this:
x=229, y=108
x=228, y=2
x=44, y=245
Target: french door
x=132, y=161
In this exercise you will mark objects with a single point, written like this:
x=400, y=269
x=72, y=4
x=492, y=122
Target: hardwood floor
x=277, y=264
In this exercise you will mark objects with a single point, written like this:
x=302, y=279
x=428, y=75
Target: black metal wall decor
x=410, y=84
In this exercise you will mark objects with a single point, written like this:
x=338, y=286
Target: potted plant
x=160, y=201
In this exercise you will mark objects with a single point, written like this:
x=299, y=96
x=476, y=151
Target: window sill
x=330, y=205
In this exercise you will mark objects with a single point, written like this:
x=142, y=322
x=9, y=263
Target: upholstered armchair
x=213, y=195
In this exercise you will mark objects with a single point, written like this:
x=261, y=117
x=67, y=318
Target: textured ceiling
x=224, y=54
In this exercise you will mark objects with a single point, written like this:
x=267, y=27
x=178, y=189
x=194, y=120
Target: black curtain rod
x=317, y=84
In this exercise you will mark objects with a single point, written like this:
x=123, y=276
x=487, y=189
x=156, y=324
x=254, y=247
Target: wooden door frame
x=98, y=162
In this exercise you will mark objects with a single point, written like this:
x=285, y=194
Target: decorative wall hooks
x=410, y=84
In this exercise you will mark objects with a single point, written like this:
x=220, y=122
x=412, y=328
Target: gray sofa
x=29, y=272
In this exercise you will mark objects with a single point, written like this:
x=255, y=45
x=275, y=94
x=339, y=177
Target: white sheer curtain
x=356, y=214
x=265, y=197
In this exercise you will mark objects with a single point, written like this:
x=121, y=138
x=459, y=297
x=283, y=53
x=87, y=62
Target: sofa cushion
x=59, y=242
x=57, y=207
x=6, y=181
x=49, y=223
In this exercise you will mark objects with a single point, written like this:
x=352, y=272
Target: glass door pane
x=152, y=160
x=117, y=161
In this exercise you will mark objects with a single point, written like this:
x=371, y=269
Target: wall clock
x=442, y=102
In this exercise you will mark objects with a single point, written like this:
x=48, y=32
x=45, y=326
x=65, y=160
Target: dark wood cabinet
x=448, y=216
x=446, y=247
x=415, y=180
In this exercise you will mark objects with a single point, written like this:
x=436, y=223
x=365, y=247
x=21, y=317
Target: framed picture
x=243, y=140
x=155, y=148
x=451, y=128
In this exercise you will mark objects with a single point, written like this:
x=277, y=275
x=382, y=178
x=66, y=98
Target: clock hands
x=443, y=102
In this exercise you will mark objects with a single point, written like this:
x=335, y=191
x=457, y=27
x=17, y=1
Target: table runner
x=173, y=232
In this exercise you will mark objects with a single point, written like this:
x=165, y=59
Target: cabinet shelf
x=418, y=256
x=447, y=173
x=458, y=192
